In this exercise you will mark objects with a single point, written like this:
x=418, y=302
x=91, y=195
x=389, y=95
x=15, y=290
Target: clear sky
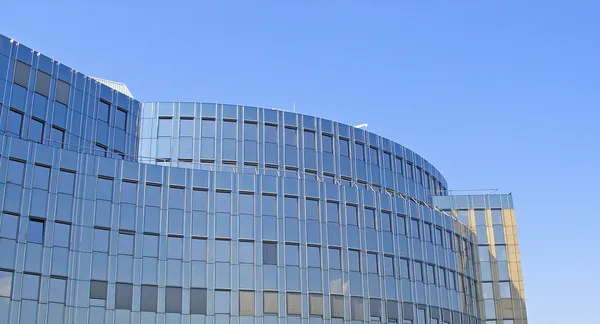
x=499, y=95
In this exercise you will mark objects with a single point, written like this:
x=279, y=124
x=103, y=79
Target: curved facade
x=227, y=214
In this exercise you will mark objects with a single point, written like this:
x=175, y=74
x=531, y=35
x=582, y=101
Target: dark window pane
x=198, y=301
x=374, y=156
x=123, y=296
x=103, y=111
x=375, y=308
x=293, y=304
x=387, y=160
x=337, y=306
x=121, y=120
x=62, y=92
x=327, y=143
x=98, y=289
x=42, y=83
x=360, y=151
x=14, y=123
x=270, y=253
x=344, y=147
x=173, y=300
x=270, y=302
x=22, y=73
x=149, y=298
x=352, y=215
x=35, y=231
x=315, y=304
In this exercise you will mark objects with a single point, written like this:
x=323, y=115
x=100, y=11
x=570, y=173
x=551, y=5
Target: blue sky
x=496, y=95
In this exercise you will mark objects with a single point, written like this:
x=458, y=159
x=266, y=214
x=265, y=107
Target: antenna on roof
x=362, y=126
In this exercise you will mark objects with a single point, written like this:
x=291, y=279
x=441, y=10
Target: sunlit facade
x=116, y=211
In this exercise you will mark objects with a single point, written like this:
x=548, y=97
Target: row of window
x=123, y=295
x=42, y=82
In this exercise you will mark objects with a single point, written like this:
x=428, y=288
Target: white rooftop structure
x=119, y=86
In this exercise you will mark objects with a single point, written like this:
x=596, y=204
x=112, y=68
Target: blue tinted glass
x=14, y=122
x=35, y=231
x=165, y=127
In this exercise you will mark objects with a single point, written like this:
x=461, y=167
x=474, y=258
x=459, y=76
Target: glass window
x=388, y=266
x=222, y=302
x=250, y=132
x=404, y=268
x=101, y=240
x=174, y=247
x=315, y=302
x=105, y=189
x=42, y=83
x=62, y=92
x=123, y=296
x=401, y=224
x=104, y=111
x=98, y=289
x=312, y=209
x=229, y=129
x=372, y=264
x=431, y=274
x=327, y=143
x=360, y=151
x=14, y=122
x=370, y=218
x=150, y=248
x=198, y=301
x=57, y=290
x=354, y=260
x=173, y=296
x=247, y=304
x=484, y=254
x=292, y=257
x=500, y=253
x=439, y=236
x=294, y=306
x=487, y=290
x=352, y=215
x=409, y=170
x=16, y=172
x=41, y=177
x=374, y=155
x=344, y=147
x=291, y=207
x=314, y=256
x=186, y=127
x=421, y=316
x=269, y=253
x=427, y=231
x=9, y=226
x=504, y=289
x=62, y=234
x=149, y=298
x=442, y=277
x=35, y=231
x=270, y=302
x=208, y=128
x=271, y=133
x=496, y=217
x=290, y=137
x=165, y=127
x=5, y=283
x=125, y=244
x=36, y=131
x=387, y=160
x=57, y=137
x=418, y=271
x=121, y=120
x=333, y=214
x=415, y=228
x=335, y=258
x=22, y=73
x=386, y=221
x=31, y=287
x=490, y=308
x=499, y=234
x=337, y=306
x=399, y=165
x=375, y=308
x=356, y=308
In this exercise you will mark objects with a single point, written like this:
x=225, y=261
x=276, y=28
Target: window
x=335, y=259
x=98, y=289
x=354, y=260
x=387, y=160
x=250, y=132
x=372, y=264
x=427, y=231
x=392, y=311
x=270, y=302
x=401, y=224
x=419, y=175
x=504, y=289
x=374, y=155
x=269, y=253
x=292, y=255
x=404, y=269
x=149, y=298
x=247, y=304
x=352, y=215
x=359, y=151
x=123, y=296
x=312, y=209
x=9, y=226
x=198, y=301
x=294, y=306
x=57, y=137
x=31, y=287
x=399, y=165
x=418, y=271
x=35, y=231
x=327, y=143
x=386, y=221
x=104, y=111
x=356, y=310
x=375, y=308
x=314, y=256
x=291, y=207
x=208, y=128
x=309, y=139
x=388, y=266
x=101, y=240
x=62, y=92
x=439, y=236
x=22, y=73
x=271, y=133
x=173, y=296
x=370, y=218
x=14, y=123
x=344, y=147
x=333, y=212
x=442, y=276
x=16, y=172
x=290, y=137
x=337, y=306
x=315, y=306
x=431, y=274
x=62, y=234
x=414, y=230
x=57, y=290
x=409, y=170
x=42, y=83
x=36, y=131
x=121, y=120
x=165, y=127
x=6, y=281
x=125, y=244
x=496, y=217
